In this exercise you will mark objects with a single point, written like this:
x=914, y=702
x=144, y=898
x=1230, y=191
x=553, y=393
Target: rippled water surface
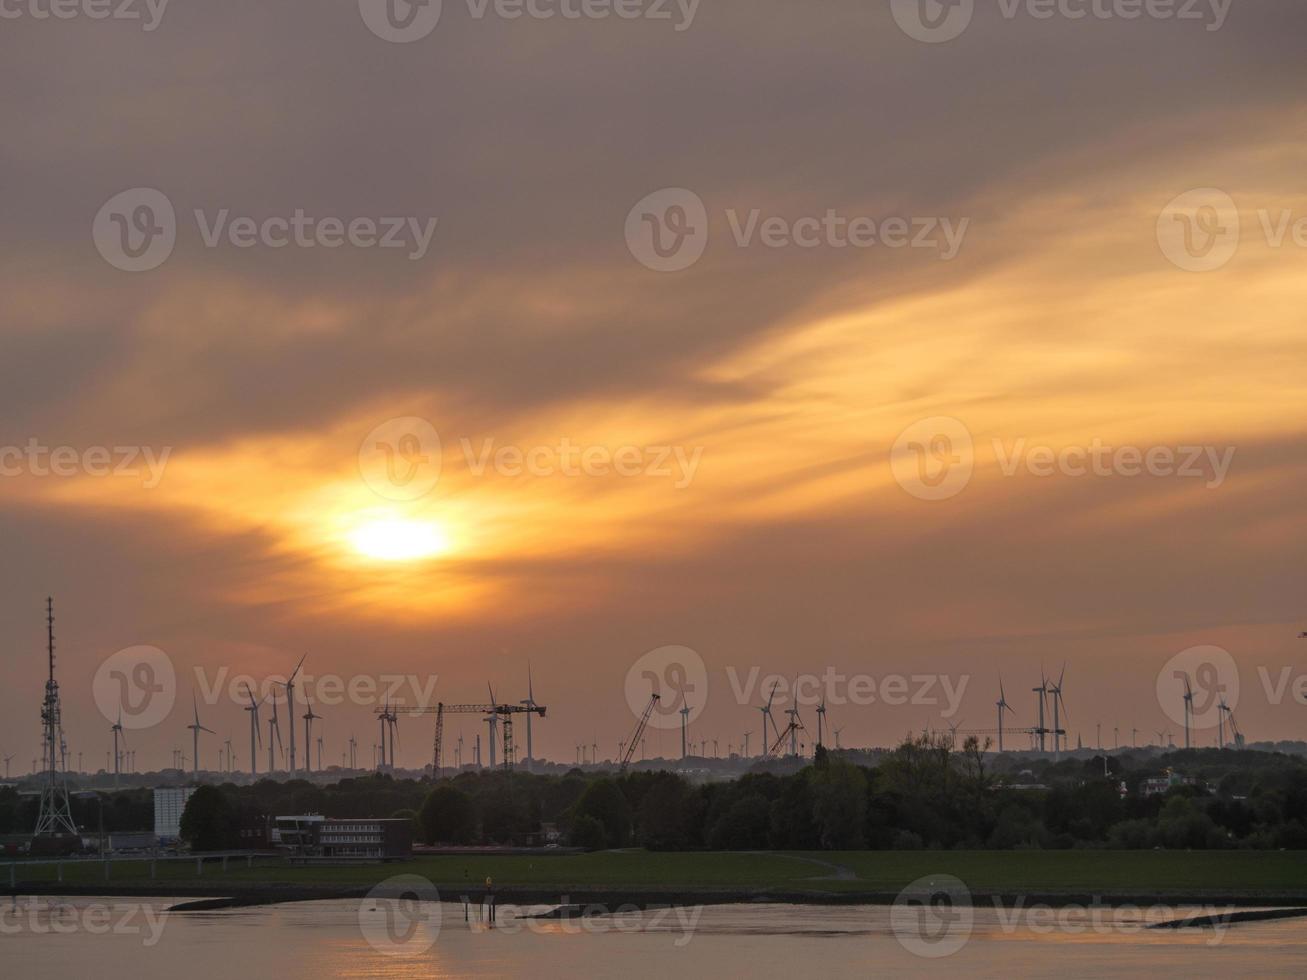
x=121, y=938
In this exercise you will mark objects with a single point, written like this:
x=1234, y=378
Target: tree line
x=923, y=794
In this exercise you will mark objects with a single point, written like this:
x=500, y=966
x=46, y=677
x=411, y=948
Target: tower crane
x=504, y=712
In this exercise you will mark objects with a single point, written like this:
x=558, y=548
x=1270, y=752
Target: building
x=169, y=804
x=1156, y=785
x=385, y=840
x=313, y=836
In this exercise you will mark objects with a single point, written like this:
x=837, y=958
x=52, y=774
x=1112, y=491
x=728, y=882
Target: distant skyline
x=719, y=457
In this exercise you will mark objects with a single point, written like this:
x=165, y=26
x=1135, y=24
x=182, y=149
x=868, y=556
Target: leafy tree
x=209, y=822
x=604, y=801
x=665, y=813
x=839, y=805
x=589, y=833
x=447, y=816
x=744, y=825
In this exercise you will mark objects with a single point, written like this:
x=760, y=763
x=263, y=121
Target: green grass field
x=859, y=871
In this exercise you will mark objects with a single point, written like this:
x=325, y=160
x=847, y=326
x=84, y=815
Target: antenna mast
x=55, y=817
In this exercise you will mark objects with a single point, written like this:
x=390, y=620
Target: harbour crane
x=639, y=731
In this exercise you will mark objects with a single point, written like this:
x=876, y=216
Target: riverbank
x=636, y=877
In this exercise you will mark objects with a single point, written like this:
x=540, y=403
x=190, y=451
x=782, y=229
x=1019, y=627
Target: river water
x=129, y=939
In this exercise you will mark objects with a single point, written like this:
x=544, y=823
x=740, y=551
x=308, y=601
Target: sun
x=399, y=539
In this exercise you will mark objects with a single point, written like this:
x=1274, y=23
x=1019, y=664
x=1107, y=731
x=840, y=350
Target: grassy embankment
x=1013, y=872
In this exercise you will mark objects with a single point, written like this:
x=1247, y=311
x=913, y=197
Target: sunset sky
x=785, y=375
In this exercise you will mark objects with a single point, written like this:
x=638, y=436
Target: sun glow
x=399, y=539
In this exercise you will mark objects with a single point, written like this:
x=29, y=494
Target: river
x=128, y=939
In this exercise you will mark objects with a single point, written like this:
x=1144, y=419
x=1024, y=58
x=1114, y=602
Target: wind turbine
x=8, y=759
x=117, y=729
x=685, y=729
x=227, y=743
x=1042, y=692
x=821, y=721
x=393, y=722
x=255, y=731
x=530, y=703
x=196, y=728
x=309, y=717
x=274, y=728
x=1188, y=708
x=290, y=711
x=492, y=725
x=384, y=719
x=1002, y=706
x=1221, y=709
x=1059, y=712
x=795, y=725
x=766, y=716
x=837, y=737
x=353, y=746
